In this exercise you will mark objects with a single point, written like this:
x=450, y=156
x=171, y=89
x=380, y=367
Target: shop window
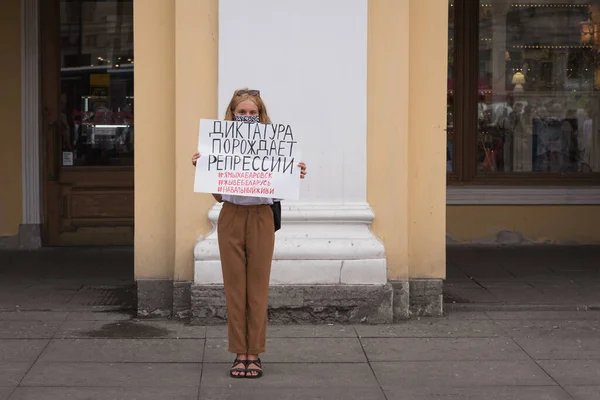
x=96, y=83
x=524, y=92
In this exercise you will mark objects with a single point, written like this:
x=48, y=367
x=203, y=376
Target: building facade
x=422, y=124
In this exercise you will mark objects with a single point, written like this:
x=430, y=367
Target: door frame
x=61, y=185
x=49, y=20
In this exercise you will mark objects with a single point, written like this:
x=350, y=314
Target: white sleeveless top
x=246, y=200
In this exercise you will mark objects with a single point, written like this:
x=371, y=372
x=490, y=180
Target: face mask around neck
x=250, y=119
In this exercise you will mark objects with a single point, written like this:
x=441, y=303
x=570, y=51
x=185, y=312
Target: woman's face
x=246, y=108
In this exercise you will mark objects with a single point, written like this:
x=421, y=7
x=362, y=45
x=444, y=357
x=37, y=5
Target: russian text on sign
x=259, y=160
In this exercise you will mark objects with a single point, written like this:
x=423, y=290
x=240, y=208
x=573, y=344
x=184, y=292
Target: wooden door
x=87, y=121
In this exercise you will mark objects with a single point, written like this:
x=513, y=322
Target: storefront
x=72, y=70
x=523, y=138
x=425, y=123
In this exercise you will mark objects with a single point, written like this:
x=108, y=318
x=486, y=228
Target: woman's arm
x=218, y=197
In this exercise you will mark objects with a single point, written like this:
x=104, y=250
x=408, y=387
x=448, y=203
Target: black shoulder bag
x=276, y=207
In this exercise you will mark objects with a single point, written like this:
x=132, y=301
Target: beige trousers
x=246, y=241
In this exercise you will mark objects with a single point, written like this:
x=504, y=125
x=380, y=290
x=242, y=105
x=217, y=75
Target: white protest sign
x=243, y=159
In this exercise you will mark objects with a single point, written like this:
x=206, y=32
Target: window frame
x=465, y=133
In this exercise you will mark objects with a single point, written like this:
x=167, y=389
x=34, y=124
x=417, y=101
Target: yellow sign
x=100, y=80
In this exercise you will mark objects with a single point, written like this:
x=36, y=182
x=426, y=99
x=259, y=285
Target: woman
x=246, y=238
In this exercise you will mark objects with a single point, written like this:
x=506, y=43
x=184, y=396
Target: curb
x=520, y=307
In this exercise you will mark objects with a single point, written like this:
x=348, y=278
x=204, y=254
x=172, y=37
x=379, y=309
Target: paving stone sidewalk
x=58, y=342
x=523, y=277
x=464, y=355
x=478, y=278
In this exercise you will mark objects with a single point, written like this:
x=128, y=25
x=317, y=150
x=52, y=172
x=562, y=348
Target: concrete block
x=426, y=297
x=292, y=296
x=182, y=299
x=304, y=304
x=155, y=298
x=401, y=303
x=208, y=305
x=30, y=236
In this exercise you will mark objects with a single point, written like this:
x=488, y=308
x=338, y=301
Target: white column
x=30, y=112
x=310, y=63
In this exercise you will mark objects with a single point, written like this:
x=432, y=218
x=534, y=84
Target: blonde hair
x=263, y=117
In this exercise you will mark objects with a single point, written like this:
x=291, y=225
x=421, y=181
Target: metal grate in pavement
x=104, y=296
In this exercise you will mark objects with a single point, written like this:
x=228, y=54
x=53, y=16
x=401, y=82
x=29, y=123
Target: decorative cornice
x=316, y=213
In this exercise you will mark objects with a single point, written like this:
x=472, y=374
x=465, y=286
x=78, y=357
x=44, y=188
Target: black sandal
x=239, y=370
x=250, y=371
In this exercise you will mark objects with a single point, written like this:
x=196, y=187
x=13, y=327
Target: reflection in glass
x=96, y=41
x=539, y=86
x=450, y=103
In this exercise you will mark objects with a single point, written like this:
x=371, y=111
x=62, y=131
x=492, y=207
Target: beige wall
x=176, y=57
x=196, y=70
x=10, y=117
x=154, y=39
x=387, y=127
x=406, y=136
x=536, y=223
x=427, y=139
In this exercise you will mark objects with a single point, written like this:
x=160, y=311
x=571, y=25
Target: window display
x=539, y=113
x=537, y=77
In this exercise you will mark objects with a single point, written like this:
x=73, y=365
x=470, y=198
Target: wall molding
x=30, y=113
x=516, y=195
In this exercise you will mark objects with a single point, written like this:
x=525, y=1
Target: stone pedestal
x=325, y=255
x=318, y=245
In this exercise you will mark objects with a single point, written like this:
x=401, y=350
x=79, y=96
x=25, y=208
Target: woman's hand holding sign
x=195, y=158
x=302, y=166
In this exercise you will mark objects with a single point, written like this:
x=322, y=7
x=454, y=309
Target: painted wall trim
x=505, y=195
x=30, y=112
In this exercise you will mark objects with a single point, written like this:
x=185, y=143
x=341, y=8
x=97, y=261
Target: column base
x=29, y=237
x=318, y=244
x=304, y=304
